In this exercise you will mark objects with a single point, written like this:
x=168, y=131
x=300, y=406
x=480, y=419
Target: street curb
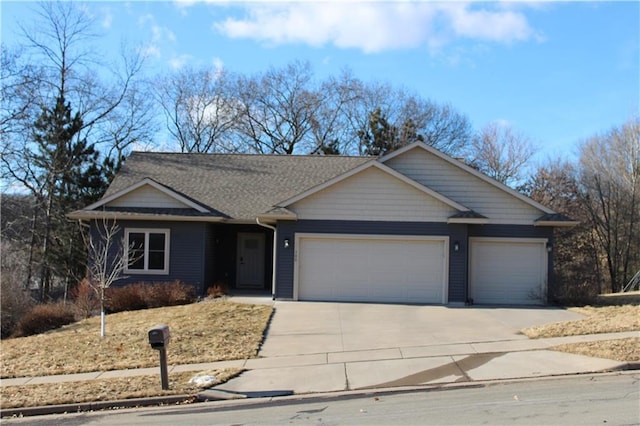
x=630, y=365
x=239, y=399
x=97, y=405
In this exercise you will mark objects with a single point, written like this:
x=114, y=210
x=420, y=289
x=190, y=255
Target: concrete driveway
x=327, y=347
x=299, y=328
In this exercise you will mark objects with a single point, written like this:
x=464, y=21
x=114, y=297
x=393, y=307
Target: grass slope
x=599, y=319
x=200, y=332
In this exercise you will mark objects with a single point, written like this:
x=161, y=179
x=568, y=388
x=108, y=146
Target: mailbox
x=159, y=336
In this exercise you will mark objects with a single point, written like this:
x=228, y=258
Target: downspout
x=273, y=267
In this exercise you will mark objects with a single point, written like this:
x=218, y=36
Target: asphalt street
x=612, y=399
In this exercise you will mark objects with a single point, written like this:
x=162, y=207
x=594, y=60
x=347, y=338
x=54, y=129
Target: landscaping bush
x=15, y=301
x=43, y=318
x=168, y=294
x=86, y=299
x=126, y=298
x=148, y=295
x=218, y=289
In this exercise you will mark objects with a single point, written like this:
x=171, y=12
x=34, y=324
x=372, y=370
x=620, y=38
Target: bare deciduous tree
x=199, y=109
x=107, y=261
x=277, y=109
x=501, y=153
x=577, y=270
x=610, y=190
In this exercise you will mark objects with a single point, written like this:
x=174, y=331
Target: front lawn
x=200, y=332
x=600, y=319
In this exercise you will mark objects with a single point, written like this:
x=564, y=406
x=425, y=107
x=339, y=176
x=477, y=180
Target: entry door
x=250, y=260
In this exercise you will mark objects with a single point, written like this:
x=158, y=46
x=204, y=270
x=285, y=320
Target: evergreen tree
x=382, y=137
x=70, y=176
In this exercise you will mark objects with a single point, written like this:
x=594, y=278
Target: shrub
x=148, y=295
x=15, y=301
x=218, y=289
x=125, y=298
x=43, y=318
x=86, y=299
x=168, y=294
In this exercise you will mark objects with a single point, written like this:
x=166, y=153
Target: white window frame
x=147, y=232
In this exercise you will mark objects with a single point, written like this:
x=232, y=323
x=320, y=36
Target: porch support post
x=273, y=267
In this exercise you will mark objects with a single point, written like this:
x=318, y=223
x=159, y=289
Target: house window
x=148, y=251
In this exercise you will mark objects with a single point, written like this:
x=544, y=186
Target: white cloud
x=107, y=18
x=377, y=26
x=180, y=61
x=150, y=51
x=160, y=36
x=499, y=26
x=218, y=66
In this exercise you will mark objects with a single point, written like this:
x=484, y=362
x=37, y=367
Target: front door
x=250, y=260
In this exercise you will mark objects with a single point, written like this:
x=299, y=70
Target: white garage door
x=371, y=269
x=508, y=271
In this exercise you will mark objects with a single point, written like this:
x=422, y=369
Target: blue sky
x=557, y=72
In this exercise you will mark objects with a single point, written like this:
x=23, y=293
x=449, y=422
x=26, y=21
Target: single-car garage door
x=507, y=271
x=358, y=268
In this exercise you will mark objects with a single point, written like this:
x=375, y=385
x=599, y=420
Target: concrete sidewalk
x=387, y=367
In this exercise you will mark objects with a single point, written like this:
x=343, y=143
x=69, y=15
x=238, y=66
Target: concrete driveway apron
x=316, y=327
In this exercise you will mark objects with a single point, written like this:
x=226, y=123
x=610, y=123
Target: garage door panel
x=368, y=269
x=507, y=272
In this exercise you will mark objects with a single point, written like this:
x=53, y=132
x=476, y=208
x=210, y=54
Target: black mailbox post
x=159, y=337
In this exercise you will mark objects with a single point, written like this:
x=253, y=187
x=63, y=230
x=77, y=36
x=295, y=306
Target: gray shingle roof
x=240, y=186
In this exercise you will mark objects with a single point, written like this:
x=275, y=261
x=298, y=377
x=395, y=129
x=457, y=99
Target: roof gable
x=373, y=194
x=454, y=179
x=387, y=170
x=147, y=193
x=459, y=164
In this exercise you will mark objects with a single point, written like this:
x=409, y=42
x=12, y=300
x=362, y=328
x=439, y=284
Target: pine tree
x=71, y=176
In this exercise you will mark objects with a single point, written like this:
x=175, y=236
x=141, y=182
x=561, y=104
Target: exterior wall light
x=456, y=246
x=286, y=243
x=549, y=247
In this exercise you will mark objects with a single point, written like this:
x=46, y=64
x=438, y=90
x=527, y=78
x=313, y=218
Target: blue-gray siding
x=202, y=254
x=186, y=253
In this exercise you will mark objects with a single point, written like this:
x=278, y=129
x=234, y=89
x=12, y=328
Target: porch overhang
x=555, y=220
x=468, y=217
x=276, y=214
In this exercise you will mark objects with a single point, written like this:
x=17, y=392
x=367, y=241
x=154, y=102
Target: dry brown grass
x=201, y=332
x=600, y=319
x=625, y=350
x=103, y=390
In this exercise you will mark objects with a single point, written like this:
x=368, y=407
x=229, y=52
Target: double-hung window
x=148, y=251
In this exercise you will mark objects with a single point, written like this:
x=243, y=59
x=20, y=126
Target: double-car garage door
x=357, y=268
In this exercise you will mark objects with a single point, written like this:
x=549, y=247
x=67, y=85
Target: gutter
x=273, y=267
